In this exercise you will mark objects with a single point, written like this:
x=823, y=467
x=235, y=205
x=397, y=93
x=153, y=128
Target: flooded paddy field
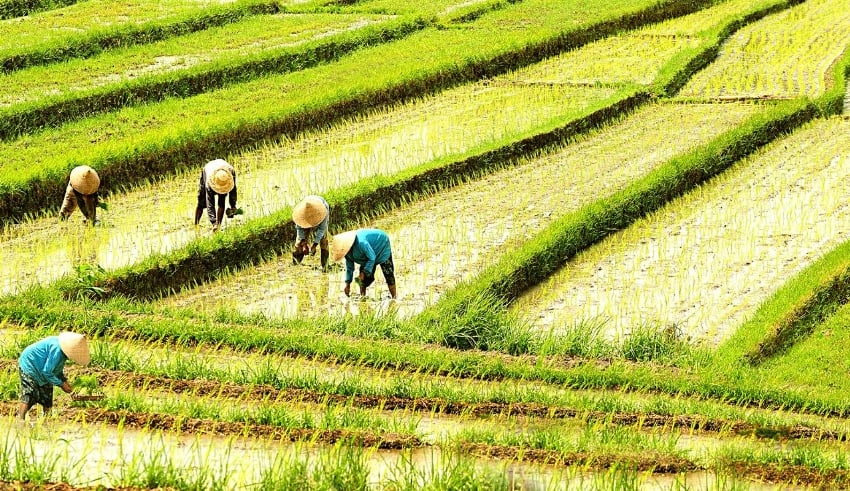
x=809, y=38
x=209, y=388
x=440, y=241
x=709, y=259
x=279, y=176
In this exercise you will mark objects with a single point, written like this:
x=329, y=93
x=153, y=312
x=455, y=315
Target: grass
x=160, y=138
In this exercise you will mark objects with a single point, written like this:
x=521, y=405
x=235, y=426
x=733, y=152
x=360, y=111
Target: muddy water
x=106, y=456
x=440, y=241
x=789, y=54
x=707, y=261
x=159, y=217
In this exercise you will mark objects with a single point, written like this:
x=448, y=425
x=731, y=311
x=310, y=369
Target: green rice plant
x=583, y=339
x=111, y=356
x=34, y=465
x=483, y=325
x=87, y=28
x=368, y=78
x=152, y=468
x=810, y=42
x=447, y=470
x=653, y=343
x=345, y=468
x=87, y=278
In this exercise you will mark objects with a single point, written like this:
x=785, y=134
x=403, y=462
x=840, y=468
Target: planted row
x=51, y=95
x=159, y=275
x=85, y=29
x=174, y=134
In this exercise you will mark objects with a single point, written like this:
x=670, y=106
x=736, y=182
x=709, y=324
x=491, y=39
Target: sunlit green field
x=617, y=230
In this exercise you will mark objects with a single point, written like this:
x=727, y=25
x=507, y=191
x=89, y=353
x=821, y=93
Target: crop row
x=787, y=55
x=299, y=338
x=706, y=261
x=559, y=445
x=52, y=95
x=246, y=243
x=200, y=462
x=179, y=133
x=85, y=29
x=230, y=376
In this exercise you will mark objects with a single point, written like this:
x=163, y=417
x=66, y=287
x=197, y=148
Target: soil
x=248, y=393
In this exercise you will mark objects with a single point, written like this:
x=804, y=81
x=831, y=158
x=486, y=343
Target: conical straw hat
x=75, y=347
x=85, y=180
x=309, y=212
x=342, y=244
x=221, y=181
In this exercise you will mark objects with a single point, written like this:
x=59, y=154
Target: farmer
x=41, y=366
x=368, y=247
x=311, y=218
x=218, y=183
x=81, y=193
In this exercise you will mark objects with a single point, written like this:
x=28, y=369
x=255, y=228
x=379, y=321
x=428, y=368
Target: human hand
x=215, y=228
x=347, y=289
x=229, y=212
x=313, y=249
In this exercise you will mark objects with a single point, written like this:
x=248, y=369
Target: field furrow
x=277, y=176
x=786, y=55
x=244, y=40
x=705, y=262
x=442, y=240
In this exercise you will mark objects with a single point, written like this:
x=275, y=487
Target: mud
x=433, y=405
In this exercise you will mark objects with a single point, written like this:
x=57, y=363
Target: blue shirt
x=371, y=247
x=44, y=361
x=321, y=228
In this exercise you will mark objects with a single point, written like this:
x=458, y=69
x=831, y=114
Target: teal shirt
x=44, y=361
x=371, y=247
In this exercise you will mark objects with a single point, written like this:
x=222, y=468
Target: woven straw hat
x=75, y=347
x=221, y=179
x=85, y=180
x=342, y=244
x=309, y=212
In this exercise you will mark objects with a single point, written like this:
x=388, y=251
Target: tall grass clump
x=583, y=339
x=653, y=343
x=484, y=324
x=341, y=468
x=9, y=9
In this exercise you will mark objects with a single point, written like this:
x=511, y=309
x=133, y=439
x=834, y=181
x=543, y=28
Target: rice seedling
x=85, y=28
x=432, y=255
x=705, y=267
x=787, y=55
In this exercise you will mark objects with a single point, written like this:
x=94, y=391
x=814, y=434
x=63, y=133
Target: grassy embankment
x=174, y=134
x=160, y=274
x=10, y=9
x=88, y=28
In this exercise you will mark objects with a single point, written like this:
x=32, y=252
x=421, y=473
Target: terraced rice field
x=617, y=230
